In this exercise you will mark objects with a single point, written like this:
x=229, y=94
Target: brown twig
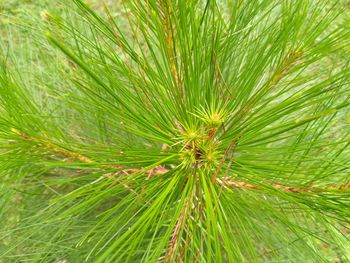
x=290, y=61
x=231, y=158
x=213, y=179
x=170, y=44
x=217, y=80
x=53, y=147
x=158, y=170
x=239, y=184
x=174, y=239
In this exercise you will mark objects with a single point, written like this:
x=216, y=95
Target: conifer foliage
x=180, y=131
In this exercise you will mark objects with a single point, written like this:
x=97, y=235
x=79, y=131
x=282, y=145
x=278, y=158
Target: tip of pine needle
x=48, y=35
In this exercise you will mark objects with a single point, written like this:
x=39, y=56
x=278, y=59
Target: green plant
x=181, y=131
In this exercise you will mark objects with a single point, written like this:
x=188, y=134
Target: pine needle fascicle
x=182, y=131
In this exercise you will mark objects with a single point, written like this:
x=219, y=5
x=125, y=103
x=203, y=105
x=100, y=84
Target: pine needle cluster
x=180, y=131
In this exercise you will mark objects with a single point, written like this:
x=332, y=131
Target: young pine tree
x=179, y=131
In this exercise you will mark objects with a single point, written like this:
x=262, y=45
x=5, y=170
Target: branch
x=290, y=61
x=223, y=161
x=175, y=236
x=239, y=184
x=169, y=32
x=51, y=146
